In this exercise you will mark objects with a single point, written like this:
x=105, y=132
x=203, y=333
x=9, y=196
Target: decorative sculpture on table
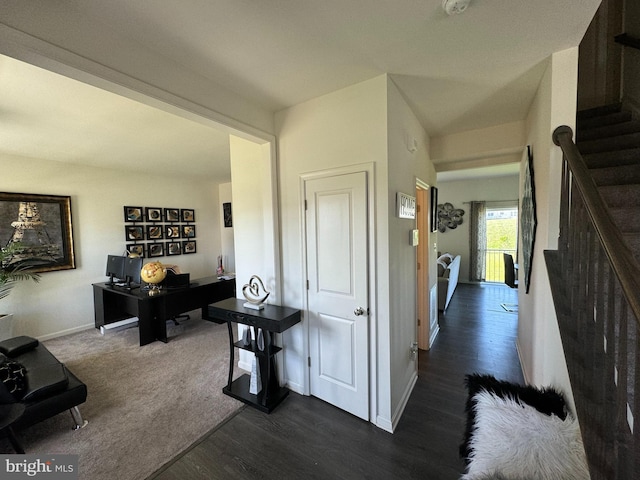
x=449, y=216
x=255, y=293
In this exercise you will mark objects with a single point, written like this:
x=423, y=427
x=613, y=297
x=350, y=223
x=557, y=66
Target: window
x=502, y=237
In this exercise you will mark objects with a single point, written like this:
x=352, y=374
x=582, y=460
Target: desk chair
x=510, y=271
x=177, y=280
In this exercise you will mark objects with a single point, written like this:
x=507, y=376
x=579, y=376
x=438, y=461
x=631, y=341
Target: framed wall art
x=155, y=250
x=226, y=212
x=133, y=214
x=434, y=208
x=188, y=215
x=153, y=214
x=172, y=231
x=147, y=227
x=174, y=248
x=134, y=233
x=188, y=246
x=172, y=214
x=154, y=232
x=188, y=231
x=42, y=225
x=136, y=249
x=528, y=218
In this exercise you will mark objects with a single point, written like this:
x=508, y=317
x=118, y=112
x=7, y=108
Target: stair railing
x=596, y=288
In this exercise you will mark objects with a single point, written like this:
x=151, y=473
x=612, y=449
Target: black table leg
x=231, y=355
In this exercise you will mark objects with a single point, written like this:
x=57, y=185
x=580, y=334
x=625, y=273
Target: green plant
x=9, y=274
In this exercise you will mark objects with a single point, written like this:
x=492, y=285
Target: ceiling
x=458, y=73
x=46, y=115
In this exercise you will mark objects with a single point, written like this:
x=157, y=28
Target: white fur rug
x=514, y=441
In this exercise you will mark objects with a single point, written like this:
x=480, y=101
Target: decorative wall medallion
x=449, y=216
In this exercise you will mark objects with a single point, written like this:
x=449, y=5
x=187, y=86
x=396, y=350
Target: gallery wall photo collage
x=157, y=232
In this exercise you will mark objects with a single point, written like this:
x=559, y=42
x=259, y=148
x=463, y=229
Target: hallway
x=307, y=438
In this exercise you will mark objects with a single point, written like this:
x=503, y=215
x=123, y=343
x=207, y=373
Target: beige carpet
x=145, y=404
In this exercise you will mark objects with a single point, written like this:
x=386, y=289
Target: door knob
x=358, y=311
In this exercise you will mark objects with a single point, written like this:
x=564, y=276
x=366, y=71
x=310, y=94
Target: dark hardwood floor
x=306, y=438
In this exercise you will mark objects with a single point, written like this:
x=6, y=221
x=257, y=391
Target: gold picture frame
x=42, y=225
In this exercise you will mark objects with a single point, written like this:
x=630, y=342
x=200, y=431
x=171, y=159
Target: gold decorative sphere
x=153, y=272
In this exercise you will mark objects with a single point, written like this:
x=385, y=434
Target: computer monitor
x=115, y=268
x=132, y=267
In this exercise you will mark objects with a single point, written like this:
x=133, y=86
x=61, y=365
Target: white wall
x=404, y=167
x=459, y=193
x=254, y=224
x=479, y=148
x=318, y=135
x=362, y=124
x=63, y=300
x=539, y=343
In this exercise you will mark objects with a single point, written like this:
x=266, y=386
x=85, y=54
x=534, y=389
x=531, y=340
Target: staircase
x=595, y=282
x=609, y=140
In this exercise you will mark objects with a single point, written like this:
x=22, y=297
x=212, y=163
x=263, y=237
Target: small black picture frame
x=172, y=214
x=228, y=217
x=434, y=208
x=154, y=232
x=188, y=231
x=188, y=215
x=188, y=246
x=153, y=214
x=155, y=250
x=133, y=214
x=134, y=233
x=174, y=248
x=135, y=249
x=172, y=231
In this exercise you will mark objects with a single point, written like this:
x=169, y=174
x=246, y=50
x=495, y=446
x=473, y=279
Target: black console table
x=272, y=319
x=113, y=303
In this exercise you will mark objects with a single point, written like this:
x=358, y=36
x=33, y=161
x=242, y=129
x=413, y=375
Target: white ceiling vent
x=455, y=6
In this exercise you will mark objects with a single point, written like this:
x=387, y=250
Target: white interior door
x=337, y=266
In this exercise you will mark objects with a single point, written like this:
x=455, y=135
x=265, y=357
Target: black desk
x=112, y=304
x=272, y=319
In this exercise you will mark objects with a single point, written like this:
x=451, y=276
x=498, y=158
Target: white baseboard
x=68, y=331
x=295, y=387
x=395, y=419
x=522, y=365
x=384, y=424
x=434, y=334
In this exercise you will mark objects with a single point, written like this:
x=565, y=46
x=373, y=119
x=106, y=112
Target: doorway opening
x=427, y=297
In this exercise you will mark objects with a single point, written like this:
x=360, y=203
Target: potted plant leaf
x=11, y=272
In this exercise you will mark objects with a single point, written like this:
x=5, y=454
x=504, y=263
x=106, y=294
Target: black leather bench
x=50, y=387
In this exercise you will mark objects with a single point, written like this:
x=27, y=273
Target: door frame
x=423, y=331
x=369, y=169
